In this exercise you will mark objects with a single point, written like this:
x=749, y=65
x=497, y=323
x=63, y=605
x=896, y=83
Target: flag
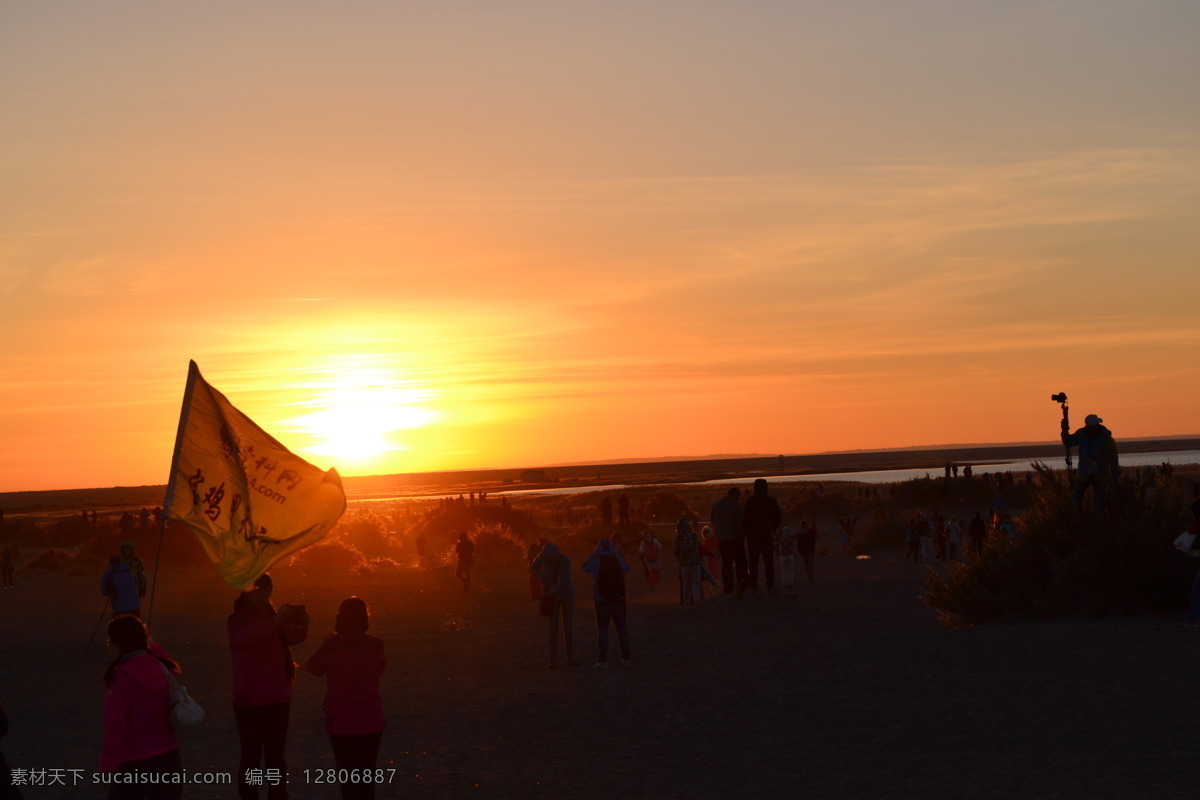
x=245, y=496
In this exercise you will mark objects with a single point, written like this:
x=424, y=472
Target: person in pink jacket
x=352, y=662
x=137, y=728
x=263, y=673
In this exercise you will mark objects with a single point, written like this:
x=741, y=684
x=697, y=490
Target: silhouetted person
x=976, y=533
x=553, y=568
x=352, y=663
x=1097, y=464
x=465, y=550
x=420, y=544
x=760, y=520
x=726, y=518
x=263, y=674
x=124, y=582
x=623, y=510
x=608, y=568
x=531, y=554
x=137, y=730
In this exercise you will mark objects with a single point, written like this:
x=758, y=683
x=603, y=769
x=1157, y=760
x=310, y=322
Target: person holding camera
x=1098, y=463
x=263, y=673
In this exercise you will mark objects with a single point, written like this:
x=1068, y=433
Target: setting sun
x=354, y=417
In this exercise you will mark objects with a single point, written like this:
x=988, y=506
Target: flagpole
x=193, y=373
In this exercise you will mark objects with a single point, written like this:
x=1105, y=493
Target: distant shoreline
x=632, y=473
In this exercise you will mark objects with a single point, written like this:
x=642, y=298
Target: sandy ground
x=847, y=688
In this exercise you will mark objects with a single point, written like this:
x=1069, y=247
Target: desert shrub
x=1064, y=563
x=336, y=555
x=367, y=533
x=666, y=507
x=807, y=503
x=494, y=540
x=52, y=560
x=378, y=566
x=448, y=520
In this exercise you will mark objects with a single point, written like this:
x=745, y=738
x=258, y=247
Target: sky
x=413, y=236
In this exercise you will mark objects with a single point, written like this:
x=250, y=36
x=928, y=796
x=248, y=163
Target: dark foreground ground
x=846, y=689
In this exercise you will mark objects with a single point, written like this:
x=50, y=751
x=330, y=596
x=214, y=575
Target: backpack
x=610, y=583
x=650, y=552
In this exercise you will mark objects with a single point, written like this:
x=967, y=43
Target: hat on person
x=1092, y=419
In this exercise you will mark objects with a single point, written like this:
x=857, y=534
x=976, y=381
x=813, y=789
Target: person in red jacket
x=137, y=729
x=263, y=674
x=352, y=662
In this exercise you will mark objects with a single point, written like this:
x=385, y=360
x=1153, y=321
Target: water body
x=1132, y=461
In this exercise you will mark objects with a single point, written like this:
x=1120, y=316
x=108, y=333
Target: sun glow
x=355, y=418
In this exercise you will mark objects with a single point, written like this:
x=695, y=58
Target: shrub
x=665, y=507
x=367, y=534
x=329, y=554
x=51, y=560
x=1064, y=563
x=378, y=566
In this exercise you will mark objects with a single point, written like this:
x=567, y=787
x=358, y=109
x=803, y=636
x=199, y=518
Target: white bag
x=1185, y=541
x=185, y=711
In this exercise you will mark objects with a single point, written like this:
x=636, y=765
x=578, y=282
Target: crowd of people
x=138, y=732
x=744, y=546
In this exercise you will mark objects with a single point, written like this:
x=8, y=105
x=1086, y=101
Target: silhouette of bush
x=378, y=566
x=367, y=533
x=335, y=555
x=1064, y=563
x=52, y=560
x=803, y=505
x=666, y=507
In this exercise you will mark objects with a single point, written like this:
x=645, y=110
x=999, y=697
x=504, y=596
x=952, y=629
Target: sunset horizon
x=410, y=239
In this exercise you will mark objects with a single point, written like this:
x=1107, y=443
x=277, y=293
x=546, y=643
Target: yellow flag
x=245, y=496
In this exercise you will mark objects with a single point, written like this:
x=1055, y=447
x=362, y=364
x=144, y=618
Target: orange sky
x=405, y=237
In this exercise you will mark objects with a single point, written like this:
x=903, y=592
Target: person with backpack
x=260, y=643
x=649, y=550
x=124, y=582
x=609, y=568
